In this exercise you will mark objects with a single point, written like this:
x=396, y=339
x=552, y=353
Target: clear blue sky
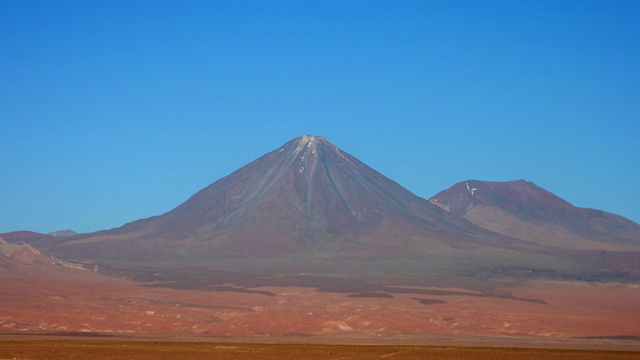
x=112, y=111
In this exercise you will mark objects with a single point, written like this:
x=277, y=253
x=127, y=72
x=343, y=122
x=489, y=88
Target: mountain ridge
x=526, y=211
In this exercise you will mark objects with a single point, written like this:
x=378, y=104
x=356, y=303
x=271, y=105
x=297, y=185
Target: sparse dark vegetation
x=429, y=301
x=371, y=295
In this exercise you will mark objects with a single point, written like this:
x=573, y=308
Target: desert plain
x=86, y=315
x=131, y=350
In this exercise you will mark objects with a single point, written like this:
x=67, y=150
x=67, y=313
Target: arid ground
x=55, y=312
x=82, y=301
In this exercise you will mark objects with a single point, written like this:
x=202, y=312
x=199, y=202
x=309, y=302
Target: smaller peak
x=496, y=183
x=522, y=183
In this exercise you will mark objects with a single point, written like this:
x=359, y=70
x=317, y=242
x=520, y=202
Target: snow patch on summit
x=306, y=141
x=471, y=190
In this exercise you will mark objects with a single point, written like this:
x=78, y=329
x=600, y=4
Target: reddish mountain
x=306, y=197
x=522, y=210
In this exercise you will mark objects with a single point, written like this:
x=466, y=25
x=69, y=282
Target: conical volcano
x=307, y=196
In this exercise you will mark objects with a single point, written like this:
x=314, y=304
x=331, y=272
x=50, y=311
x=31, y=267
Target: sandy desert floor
x=117, y=306
x=131, y=350
x=572, y=315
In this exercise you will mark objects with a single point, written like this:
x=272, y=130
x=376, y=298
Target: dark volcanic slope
x=523, y=210
x=306, y=197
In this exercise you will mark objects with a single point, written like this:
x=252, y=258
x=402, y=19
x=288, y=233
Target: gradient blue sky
x=112, y=111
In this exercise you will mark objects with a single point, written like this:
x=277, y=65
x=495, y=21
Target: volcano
x=523, y=210
x=305, y=197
